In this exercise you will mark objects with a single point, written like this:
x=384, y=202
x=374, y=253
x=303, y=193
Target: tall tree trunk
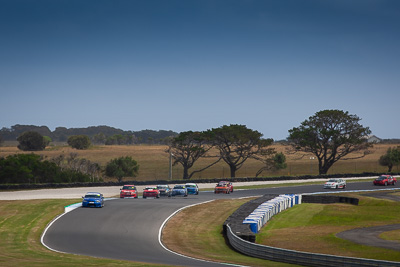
x=390, y=166
x=185, y=173
x=233, y=170
x=324, y=167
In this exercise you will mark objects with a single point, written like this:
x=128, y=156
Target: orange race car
x=225, y=187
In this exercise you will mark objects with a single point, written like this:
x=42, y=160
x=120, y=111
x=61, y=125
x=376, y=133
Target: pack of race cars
x=96, y=199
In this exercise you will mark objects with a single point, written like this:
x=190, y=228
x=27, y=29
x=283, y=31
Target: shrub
x=79, y=141
x=31, y=141
x=122, y=167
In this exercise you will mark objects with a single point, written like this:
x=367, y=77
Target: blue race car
x=93, y=199
x=179, y=190
x=192, y=189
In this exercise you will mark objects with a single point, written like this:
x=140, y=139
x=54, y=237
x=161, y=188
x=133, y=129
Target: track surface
x=128, y=229
x=370, y=236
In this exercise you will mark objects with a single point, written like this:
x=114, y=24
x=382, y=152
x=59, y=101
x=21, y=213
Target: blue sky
x=198, y=64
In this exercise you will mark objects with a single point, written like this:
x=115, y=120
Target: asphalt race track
x=370, y=236
x=128, y=229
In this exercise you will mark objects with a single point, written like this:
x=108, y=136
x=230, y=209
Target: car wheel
x=385, y=183
x=144, y=197
x=337, y=187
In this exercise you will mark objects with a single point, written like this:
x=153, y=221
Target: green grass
x=315, y=227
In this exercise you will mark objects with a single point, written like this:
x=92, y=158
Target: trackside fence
x=298, y=257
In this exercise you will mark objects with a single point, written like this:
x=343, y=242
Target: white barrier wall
x=263, y=213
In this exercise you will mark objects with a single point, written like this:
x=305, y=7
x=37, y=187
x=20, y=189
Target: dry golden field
x=154, y=161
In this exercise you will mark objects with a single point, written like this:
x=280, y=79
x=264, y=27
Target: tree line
x=98, y=134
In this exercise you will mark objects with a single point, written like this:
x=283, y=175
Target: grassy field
x=153, y=161
x=314, y=227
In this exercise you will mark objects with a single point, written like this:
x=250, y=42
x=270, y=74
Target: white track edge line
x=176, y=253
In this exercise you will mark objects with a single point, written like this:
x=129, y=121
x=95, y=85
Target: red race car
x=151, y=191
x=225, y=187
x=128, y=191
x=385, y=180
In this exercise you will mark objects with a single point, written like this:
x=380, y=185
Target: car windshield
x=129, y=187
x=150, y=188
x=381, y=178
x=92, y=196
x=179, y=187
x=222, y=184
x=190, y=185
x=162, y=186
x=333, y=181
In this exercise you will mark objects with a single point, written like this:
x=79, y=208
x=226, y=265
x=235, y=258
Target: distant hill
x=98, y=134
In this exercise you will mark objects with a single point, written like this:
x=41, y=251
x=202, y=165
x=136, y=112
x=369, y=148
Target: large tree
x=31, y=141
x=330, y=135
x=237, y=143
x=187, y=148
x=391, y=158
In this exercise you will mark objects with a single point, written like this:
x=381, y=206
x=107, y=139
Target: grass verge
x=313, y=227
x=197, y=232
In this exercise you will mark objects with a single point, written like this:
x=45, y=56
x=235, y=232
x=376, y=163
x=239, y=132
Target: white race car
x=335, y=183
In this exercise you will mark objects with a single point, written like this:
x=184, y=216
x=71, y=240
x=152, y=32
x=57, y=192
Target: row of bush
x=31, y=169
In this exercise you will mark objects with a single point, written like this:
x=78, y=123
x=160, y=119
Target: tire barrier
x=264, y=212
x=236, y=219
x=324, y=199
